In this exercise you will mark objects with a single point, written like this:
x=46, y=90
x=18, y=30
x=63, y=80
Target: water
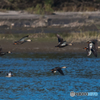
x=33, y=79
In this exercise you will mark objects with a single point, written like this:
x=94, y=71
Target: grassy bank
x=69, y=37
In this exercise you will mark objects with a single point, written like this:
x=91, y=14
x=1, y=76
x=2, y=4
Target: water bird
x=3, y=53
x=1, y=71
x=59, y=69
x=61, y=42
x=9, y=74
x=22, y=40
x=92, y=47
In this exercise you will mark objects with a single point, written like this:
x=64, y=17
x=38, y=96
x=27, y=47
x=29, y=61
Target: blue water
x=33, y=79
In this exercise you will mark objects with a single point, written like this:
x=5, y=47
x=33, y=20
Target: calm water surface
x=33, y=79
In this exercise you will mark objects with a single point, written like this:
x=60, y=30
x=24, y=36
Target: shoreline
x=17, y=22
x=74, y=20
x=41, y=47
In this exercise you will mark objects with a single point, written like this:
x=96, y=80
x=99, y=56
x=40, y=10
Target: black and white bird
x=3, y=53
x=61, y=42
x=59, y=69
x=22, y=40
x=92, y=47
x=10, y=74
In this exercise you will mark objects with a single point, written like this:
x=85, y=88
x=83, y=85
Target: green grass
x=75, y=37
x=39, y=9
x=82, y=36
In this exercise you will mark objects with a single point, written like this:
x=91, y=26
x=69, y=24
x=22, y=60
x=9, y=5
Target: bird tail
x=71, y=43
x=64, y=67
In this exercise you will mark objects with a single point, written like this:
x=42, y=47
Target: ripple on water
x=34, y=80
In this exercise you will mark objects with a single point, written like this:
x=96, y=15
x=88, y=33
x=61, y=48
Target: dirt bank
x=41, y=47
x=74, y=19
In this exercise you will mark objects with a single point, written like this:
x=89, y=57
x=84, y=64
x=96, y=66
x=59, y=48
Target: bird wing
x=0, y=49
x=94, y=52
x=94, y=48
x=88, y=52
x=60, y=71
x=60, y=39
x=95, y=42
x=23, y=38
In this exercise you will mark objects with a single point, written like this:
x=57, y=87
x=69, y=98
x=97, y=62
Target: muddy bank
x=17, y=22
x=41, y=47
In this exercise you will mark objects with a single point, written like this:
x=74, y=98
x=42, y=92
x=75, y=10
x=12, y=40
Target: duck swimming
x=92, y=47
x=59, y=69
x=9, y=74
x=61, y=42
x=3, y=53
x=22, y=40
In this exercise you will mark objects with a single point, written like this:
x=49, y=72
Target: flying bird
x=61, y=42
x=92, y=47
x=3, y=53
x=59, y=69
x=22, y=40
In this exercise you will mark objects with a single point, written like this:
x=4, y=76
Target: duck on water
x=10, y=74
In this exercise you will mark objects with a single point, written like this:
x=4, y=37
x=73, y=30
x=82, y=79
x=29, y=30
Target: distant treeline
x=61, y=5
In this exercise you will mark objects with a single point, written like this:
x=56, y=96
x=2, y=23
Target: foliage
x=67, y=5
x=39, y=9
x=50, y=2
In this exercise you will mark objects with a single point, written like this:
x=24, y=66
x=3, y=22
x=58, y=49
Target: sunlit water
x=33, y=79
